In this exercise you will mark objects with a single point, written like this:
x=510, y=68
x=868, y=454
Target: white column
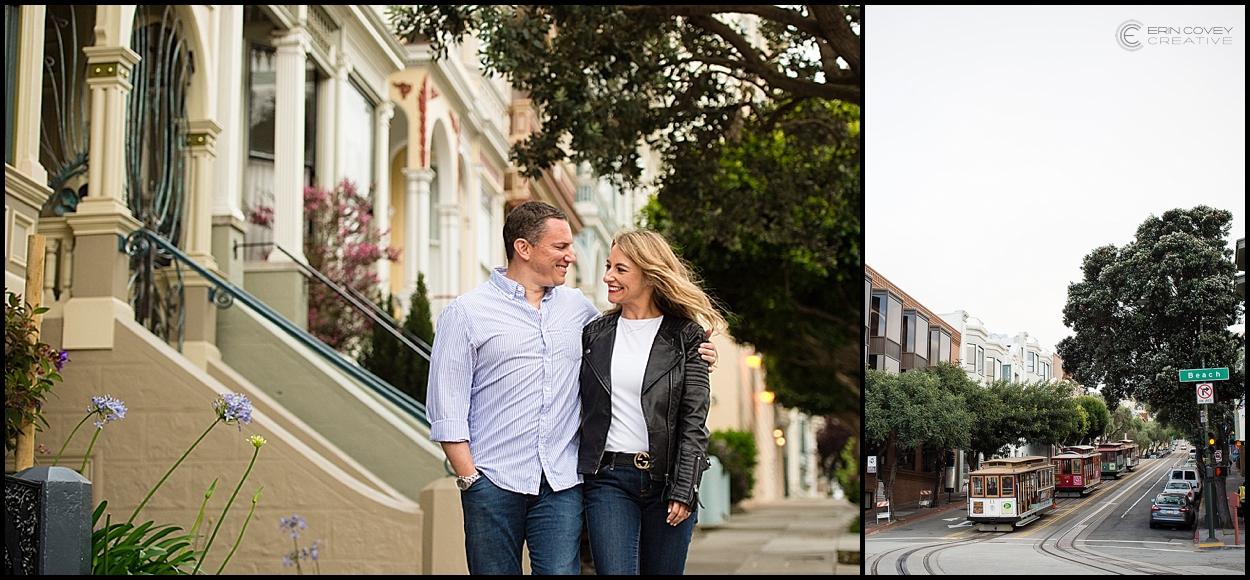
x=228, y=182
x=108, y=76
x=29, y=95
x=449, y=228
x=201, y=148
x=382, y=187
x=329, y=119
x=288, y=180
x=417, y=227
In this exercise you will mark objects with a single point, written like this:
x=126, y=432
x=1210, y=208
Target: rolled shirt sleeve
x=451, y=377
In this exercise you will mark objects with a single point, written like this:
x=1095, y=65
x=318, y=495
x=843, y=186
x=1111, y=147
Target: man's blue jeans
x=625, y=517
x=498, y=521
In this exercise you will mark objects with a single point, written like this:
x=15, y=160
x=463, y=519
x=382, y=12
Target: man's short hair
x=528, y=221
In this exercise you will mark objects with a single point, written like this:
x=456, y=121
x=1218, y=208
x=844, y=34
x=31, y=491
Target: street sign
x=872, y=464
x=1206, y=393
x=1219, y=455
x=1196, y=375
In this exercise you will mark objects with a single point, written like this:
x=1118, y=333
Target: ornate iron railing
x=65, y=122
x=156, y=122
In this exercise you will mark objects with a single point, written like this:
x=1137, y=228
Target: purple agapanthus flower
x=313, y=549
x=61, y=359
x=108, y=409
x=233, y=408
x=293, y=525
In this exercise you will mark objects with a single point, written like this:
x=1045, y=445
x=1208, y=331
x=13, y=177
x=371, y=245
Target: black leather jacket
x=675, y=399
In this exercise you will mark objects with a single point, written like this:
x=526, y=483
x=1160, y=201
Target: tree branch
x=839, y=89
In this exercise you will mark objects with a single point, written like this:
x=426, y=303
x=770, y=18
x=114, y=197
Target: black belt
x=639, y=460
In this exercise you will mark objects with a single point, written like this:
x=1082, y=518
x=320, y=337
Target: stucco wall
x=366, y=526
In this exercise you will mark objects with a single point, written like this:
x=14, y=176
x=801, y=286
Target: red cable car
x=1077, y=471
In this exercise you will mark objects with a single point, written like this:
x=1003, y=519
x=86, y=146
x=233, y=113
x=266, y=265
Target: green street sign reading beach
x=1196, y=375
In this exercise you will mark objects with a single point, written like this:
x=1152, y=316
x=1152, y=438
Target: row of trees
x=941, y=408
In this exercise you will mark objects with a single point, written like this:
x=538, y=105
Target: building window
x=906, y=459
x=944, y=350
x=980, y=360
x=1032, y=362
x=876, y=317
x=935, y=345
x=894, y=321
x=358, y=144
x=928, y=461
x=909, y=332
x=991, y=366
x=1006, y=371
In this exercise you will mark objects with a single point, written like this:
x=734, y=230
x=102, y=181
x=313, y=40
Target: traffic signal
x=1210, y=440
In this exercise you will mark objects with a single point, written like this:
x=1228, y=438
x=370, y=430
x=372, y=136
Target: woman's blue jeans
x=498, y=521
x=626, y=517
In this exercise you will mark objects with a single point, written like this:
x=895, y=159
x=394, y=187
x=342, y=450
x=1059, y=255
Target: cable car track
x=1065, y=547
x=900, y=565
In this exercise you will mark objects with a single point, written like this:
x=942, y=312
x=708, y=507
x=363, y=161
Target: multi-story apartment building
x=901, y=334
x=989, y=357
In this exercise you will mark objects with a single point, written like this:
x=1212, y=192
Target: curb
x=932, y=512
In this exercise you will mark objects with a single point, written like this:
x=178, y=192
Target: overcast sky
x=1003, y=144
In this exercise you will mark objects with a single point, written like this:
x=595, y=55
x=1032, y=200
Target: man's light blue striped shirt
x=504, y=377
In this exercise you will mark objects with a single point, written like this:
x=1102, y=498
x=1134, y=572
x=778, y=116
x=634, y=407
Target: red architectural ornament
x=404, y=89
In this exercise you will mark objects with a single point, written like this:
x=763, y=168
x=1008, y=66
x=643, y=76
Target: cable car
x=1131, y=455
x=1077, y=471
x=1010, y=493
x=1114, y=459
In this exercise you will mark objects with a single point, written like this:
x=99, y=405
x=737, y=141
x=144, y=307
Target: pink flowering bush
x=342, y=244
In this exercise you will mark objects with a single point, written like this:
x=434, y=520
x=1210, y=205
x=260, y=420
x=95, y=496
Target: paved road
x=1105, y=532
x=796, y=536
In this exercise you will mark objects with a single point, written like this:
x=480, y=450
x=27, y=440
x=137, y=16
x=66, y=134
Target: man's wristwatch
x=464, y=481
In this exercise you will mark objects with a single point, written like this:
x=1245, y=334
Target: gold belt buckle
x=642, y=461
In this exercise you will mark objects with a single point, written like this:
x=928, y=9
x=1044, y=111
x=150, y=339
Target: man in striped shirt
x=503, y=400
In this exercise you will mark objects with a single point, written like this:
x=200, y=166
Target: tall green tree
x=1097, y=416
x=906, y=410
x=771, y=222
x=757, y=129
x=391, y=360
x=1160, y=303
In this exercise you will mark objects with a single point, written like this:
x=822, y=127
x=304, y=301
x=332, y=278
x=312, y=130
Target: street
x=1105, y=532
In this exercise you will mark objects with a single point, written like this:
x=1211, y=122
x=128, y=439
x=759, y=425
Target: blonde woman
x=645, y=397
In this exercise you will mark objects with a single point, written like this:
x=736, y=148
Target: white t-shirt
x=628, y=431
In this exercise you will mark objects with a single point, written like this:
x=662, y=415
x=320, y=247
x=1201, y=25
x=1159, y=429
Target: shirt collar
x=511, y=288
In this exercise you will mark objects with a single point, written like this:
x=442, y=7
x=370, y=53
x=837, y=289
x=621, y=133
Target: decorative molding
x=24, y=189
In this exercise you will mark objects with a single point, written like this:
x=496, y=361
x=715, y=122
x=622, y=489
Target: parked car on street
x=1178, y=487
x=1188, y=475
x=1171, y=510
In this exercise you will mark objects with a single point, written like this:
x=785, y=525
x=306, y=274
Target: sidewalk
x=787, y=536
x=1228, y=537
x=911, y=511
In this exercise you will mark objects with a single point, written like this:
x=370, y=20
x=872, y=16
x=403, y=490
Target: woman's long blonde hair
x=677, y=289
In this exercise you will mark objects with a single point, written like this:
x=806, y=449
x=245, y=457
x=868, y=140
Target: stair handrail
x=366, y=307
x=224, y=293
